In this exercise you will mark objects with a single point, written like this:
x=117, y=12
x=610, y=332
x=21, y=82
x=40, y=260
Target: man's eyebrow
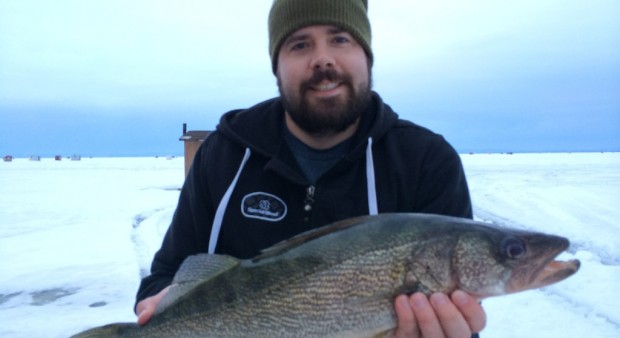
x=336, y=30
x=295, y=38
x=301, y=36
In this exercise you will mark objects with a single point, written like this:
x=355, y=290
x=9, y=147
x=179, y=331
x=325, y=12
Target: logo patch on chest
x=261, y=205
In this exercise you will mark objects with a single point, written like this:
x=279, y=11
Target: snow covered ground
x=75, y=237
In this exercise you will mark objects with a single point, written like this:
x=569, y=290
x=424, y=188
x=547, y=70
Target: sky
x=78, y=249
x=118, y=78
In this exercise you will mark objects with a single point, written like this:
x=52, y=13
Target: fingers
x=471, y=310
x=438, y=316
x=416, y=318
x=406, y=323
x=146, y=307
x=424, y=312
x=450, y=320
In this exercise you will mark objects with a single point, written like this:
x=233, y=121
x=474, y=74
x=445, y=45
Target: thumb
x=146, y=308
x=145, y=314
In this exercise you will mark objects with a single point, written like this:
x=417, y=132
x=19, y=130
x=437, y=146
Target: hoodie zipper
x=309, y=201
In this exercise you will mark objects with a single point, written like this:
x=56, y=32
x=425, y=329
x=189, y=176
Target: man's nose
x=322, y=57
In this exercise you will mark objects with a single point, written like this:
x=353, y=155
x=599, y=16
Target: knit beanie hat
x=287, y=16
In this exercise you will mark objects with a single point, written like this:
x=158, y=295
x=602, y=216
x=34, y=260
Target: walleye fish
x=341, y=279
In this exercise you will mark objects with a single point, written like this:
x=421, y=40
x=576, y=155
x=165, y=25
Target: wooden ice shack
x=192, y=140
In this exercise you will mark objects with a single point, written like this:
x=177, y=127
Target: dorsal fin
x=304, y=237
x=195, y=270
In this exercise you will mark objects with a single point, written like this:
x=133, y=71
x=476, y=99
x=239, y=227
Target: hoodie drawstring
x=221, y=208
x=373, y=208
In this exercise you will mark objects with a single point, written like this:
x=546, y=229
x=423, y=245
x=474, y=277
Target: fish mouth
x=554, y=272
x=545, y=270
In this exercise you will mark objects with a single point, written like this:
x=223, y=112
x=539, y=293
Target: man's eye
x=299, y=46
x=341, y=39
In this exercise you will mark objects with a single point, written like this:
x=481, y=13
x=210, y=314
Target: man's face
x=324, y=79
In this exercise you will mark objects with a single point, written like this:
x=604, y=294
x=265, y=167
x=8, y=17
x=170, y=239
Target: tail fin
x=108, y=331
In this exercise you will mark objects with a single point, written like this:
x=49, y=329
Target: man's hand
x=438, y=316
x=147, y=306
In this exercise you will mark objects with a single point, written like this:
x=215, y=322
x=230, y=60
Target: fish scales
x=341, y=280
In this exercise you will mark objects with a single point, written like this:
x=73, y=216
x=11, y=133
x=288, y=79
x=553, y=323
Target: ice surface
x=76, y=236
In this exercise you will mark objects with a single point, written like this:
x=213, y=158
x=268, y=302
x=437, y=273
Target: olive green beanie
x=287, y=16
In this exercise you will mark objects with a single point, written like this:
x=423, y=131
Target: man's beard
x=328, y=116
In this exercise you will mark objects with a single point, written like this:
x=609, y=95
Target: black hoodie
x=245, y=191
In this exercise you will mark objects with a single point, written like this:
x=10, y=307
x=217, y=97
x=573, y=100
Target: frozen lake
x=75, y=237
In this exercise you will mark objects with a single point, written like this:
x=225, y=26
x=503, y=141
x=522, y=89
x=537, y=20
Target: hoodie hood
x=260, y=127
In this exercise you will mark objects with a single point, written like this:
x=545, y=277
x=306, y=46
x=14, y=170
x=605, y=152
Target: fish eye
x=513, y=247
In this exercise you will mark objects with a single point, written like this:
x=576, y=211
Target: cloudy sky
x=119, y=78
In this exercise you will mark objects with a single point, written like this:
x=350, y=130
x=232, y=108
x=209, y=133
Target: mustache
x=319, y=76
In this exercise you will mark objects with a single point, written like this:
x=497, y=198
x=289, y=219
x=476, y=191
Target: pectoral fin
x=195, y=270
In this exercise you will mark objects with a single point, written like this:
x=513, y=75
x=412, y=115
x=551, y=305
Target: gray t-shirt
x=315, y=162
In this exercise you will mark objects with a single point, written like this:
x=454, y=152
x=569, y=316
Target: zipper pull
x=309, y=200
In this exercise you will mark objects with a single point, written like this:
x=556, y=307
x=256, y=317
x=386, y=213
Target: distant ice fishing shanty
x=192, y=140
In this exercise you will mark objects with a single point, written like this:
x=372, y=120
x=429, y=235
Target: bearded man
x=327, y=149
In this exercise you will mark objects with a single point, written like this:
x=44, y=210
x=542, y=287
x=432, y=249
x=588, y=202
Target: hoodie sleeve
x=188, y=233
x=443, y=183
